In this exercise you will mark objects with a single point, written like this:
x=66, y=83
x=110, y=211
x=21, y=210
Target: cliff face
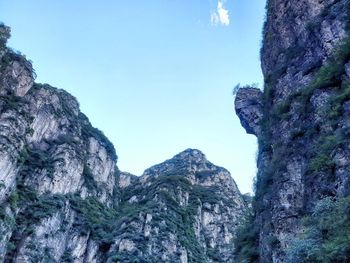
x=187, y=210
x=301, y=120
x=63, y=199
x=51, y=159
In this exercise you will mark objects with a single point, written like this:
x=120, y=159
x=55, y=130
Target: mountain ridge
x=63, y=198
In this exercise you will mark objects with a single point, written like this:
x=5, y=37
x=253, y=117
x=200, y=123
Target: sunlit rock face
x=63, y=199
x=184, y=199
x=301, y=119
x=298, y=38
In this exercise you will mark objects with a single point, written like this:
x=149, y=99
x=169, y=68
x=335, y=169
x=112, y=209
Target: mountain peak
x=187, y=162
x=191, y=155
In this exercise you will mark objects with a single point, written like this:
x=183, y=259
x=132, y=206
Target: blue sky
x=156, y=76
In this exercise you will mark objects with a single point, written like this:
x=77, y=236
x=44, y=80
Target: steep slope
x=183, y=210
x=63, y=199
x=301, y=120
x=52, y=162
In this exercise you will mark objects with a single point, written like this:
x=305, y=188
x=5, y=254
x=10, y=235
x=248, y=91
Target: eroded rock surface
x=248, y=105
x=185, y=206
x=63, y=199
x=303, y=128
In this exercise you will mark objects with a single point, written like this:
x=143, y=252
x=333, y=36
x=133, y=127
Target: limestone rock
x=302, y=144
x=63, y=198
x=248, y=105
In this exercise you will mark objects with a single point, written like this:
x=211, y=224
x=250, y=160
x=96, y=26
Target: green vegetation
x=95, y=218
x=13, y=55
x=4, y=35
x=319, y=142
x=89, y=131
x=36, y=159
x=127, y=258
x=321, y=162
x=32, y=209
x=102, y=223
x=328, y=76
x=13, y=199
x=326, y=234
x=290, y=54
x=312, y=26
x=11, y=102
x=297, y=133
x=237, y=87
x=89, y=180
x=336, y=102
x=247, y=241
x=65, y=139
x=281, y=110
x=178, y=219
x=67, y=257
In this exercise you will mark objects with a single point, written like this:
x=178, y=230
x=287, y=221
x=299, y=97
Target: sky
x=156, y=76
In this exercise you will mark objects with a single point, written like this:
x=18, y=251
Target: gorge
x=64, y=199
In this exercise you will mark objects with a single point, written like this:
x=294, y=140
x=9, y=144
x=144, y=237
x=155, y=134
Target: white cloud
x=220, y=16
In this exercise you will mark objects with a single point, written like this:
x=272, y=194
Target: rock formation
x=301, y=120
x=63, y=199
x=187, y=211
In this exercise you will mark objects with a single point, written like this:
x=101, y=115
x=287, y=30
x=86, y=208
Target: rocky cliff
x=63, y=199
x=301, y=120
x=187, y=210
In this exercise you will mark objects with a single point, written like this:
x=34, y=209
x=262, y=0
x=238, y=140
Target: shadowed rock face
x=63, y=199
x=248, y=105
x=302, y=117
x=299, y=35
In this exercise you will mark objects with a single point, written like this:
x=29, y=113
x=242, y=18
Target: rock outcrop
x=301, y=120
x=185, y=210
x=249, y=109
x=63, y=199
